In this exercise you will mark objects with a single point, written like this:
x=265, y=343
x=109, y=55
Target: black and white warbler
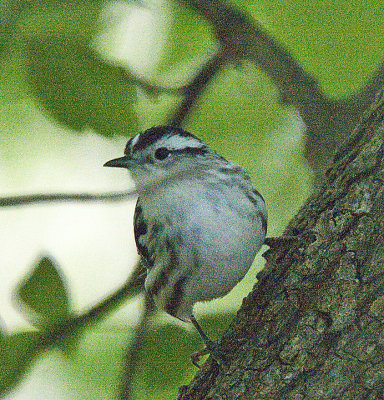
x=198, y=220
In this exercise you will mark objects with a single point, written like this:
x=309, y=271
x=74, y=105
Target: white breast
x=221, y=232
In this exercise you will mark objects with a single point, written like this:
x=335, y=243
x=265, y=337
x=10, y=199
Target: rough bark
x=313, y=326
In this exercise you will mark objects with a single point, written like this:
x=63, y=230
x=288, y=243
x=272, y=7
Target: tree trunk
x=312, y=328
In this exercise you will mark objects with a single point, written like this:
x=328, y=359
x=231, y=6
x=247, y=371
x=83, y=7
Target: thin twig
x=240, y=37
x=22, y=200
x=10, y=201
x=132, y=356
x=149, y=87
x=197, y=86
x=96, y=313
x=55, y=334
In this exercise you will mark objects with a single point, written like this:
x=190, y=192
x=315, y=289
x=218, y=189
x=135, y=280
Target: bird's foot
x=214, y=349
x=211, y=347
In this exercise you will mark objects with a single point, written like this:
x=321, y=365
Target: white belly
x=218, y=239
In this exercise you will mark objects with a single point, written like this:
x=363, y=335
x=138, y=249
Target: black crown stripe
x=152, y=135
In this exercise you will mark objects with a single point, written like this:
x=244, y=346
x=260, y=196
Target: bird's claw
x=215, y=350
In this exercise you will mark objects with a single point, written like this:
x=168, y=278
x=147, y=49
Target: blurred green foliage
x=44, y=295
x=44, y=300
x=18, y=352
x=339, y=42
x=79, y=89
x=49, y=61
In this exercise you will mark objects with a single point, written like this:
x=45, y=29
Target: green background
x=58, y=74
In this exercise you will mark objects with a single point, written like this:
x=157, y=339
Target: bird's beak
x=121, y=162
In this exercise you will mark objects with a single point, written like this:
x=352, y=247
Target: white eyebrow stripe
x=181, y=142
x=135, y=139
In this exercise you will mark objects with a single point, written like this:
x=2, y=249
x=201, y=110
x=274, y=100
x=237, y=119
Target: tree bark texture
x=313, y=326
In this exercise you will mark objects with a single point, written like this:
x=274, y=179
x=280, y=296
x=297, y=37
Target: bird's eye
x=162, y=153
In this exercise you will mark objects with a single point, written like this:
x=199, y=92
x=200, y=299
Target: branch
x=195, y=89
x=95, y=314
x=149, y=87
x=328, y=122
x=132, y=357
x=241, y=37
x=59, y=333
x=13, y=201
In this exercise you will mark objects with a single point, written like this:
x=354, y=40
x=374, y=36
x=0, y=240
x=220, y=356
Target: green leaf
x=78, y=88
x=17, y=353
x=25, y=18
x=43, y=294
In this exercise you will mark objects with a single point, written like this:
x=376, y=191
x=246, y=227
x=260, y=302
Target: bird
x=198, y=221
